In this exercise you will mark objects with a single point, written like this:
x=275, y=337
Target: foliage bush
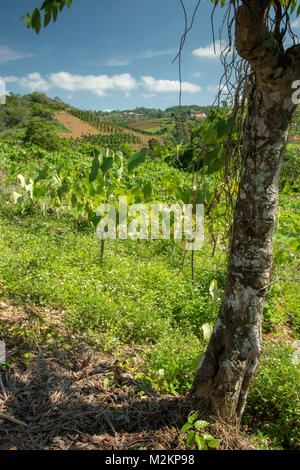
x=273, y=403
x=290, y=173
x=43, y=134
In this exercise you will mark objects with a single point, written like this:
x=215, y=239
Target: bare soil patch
x=144, y=125
x=77, y=127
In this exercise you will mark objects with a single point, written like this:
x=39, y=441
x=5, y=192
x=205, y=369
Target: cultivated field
x=79, y=128
x=144, y=125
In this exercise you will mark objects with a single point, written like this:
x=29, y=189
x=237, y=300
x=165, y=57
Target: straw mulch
x=80, y=398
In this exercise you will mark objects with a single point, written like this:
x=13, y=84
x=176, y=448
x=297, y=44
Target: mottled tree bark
x=224, y=376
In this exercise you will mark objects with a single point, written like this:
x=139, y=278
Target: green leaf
x=47, y=17
x=38, y=191
x=74, y=200
x=42, y=174
x=186, y=195
x=147, y=190
x=294, y=244
x=214, y=443
x=214, y=166
x=36, y=20
x=210, y=135
x=207, y=437
x=192, y=417
x=56, y=202
x=200, y=442
x=281, y=257
x=136, y=160
x=214, y=159
x=54, y=11
x=221, y=127
x=186, y=427
x=230, y=124
x=212, y=154
x=100, y=158
x=94, y=170
x=166, y=182
x=107, y=165
x=118, y=159
x=61, y=4
x=200, y=424
x=190, y=438
x=106, y=383
x=293, y=6
x=173, y=369
x=62, y=190
x=28, y=20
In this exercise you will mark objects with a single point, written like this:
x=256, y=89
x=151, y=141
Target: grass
x=134, y=296
x=138, y=306
x=273, y=404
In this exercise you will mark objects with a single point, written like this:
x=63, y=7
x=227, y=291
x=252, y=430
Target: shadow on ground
x=76, y=397
x=86, y=403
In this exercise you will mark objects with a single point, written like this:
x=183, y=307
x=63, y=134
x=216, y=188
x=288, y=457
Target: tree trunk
x=225, y=373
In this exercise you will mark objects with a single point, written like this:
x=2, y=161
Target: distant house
x=199, y=115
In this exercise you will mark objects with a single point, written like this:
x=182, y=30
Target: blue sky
x=111, y=54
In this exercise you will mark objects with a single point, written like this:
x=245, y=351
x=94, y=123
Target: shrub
x=41, y=133
x=290, y=174
x=273, y=403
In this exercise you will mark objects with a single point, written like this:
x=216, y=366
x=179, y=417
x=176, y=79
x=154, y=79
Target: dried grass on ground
x=79, y=398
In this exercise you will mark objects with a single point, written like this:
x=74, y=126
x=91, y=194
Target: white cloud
x=33, y=82
x=97, y=84
x=100, y=84
x=148, y=95
x=10, y=79
x=2, y=91
x=213, y=89
x=152, y=54
x=209, y=52
x=296, y=23
x=168, y=86
x=149, y=54
x=117, y=62
x=7, y=55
